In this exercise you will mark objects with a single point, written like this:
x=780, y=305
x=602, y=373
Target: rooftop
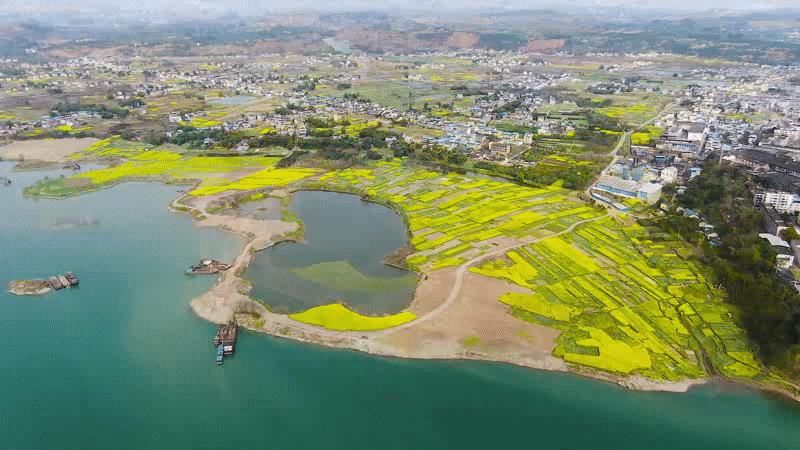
x=692, y=127
x=774, y=241
x=763, y=157
x=619, y=184
x=650, y=188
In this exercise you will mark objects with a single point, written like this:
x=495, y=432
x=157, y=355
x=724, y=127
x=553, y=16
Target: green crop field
x=625, y=303
x=647, y=136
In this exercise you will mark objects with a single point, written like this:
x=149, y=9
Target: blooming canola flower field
x=626, y=303
x=217, y=174
x=338, y=317
x=155, y=163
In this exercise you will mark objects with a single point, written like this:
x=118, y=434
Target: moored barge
x=226, y=337
x=73, y=280
x=208, y=267
x=55, y=283
x=63, y=281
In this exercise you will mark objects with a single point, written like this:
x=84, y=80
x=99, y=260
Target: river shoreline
x=229, y=298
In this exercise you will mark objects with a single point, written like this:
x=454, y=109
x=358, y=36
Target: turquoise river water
x=122, y=363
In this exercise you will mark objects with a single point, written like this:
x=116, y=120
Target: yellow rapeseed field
x=338, y=317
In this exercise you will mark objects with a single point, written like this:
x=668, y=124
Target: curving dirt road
x=462, y=270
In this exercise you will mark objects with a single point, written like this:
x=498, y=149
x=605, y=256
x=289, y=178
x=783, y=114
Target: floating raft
x=63, y=281
x=208, y=267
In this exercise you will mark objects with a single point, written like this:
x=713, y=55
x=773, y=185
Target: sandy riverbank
x=29, y=287
x=50, y=150
x=228, y=295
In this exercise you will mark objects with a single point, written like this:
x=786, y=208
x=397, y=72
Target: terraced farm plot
x=158, y=107
x=154, y=163
x=625, y=304
x=263, y=178
x=113, y=147
x=635, y=113
x=202, y=122
x=454, y=218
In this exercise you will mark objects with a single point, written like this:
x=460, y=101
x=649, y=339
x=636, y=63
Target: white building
x=669, y=174
x=783, y=202
x=690, y=131
x=647, y=192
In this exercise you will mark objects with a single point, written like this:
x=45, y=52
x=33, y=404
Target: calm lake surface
x=340, y=259
x=122, y=363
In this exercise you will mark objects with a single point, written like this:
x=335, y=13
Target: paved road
x=613, y=153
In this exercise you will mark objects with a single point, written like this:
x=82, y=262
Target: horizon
x=190, y=9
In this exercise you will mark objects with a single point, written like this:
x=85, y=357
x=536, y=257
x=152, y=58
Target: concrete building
x=647, y=192
x=781, y=201
x=669, y=174
x=785, y=257
x=683, y=147
x=773, y=222
x=764, y=161
x=796, y=250
x=691, y=131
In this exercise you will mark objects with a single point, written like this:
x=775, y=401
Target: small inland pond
x=341, y=258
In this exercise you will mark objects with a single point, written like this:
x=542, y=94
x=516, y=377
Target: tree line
x=743, y=263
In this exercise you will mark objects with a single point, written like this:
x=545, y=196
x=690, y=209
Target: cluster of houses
x=749, y=115
x=69, y=121
x=744, y=105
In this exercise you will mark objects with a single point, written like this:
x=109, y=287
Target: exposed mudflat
x=52, y=150
x=29, y=287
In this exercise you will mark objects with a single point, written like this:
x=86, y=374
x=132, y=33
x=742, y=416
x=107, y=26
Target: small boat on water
x=73, y=280
x=220, y=354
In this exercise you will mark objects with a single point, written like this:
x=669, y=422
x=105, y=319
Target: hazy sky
x=264, y=6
